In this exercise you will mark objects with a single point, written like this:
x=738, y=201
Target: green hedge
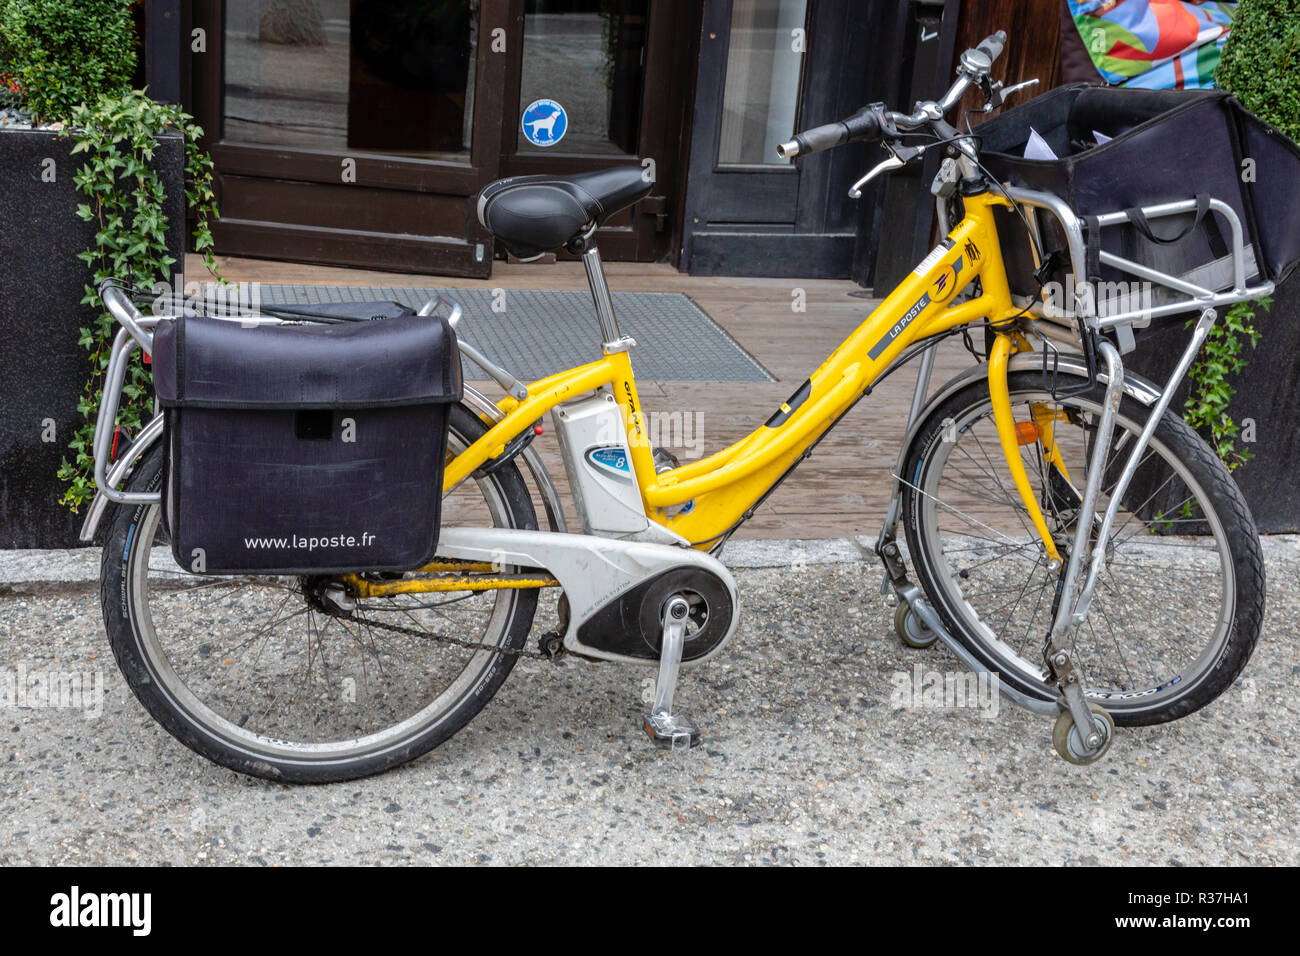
x=1261, y=62
x=66, y=52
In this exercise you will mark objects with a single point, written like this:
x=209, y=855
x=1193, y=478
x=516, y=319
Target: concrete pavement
x=806, y=759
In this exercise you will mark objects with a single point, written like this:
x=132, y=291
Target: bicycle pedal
x=671, y=731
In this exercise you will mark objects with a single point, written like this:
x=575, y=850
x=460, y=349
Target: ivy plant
x=118, y=135
x=1222, y=357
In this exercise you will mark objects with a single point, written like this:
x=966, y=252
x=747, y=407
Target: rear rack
x=137, y=332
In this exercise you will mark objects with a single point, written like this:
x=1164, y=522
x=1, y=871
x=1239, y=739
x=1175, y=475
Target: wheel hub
x=328, y=596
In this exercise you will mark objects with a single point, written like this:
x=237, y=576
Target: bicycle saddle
x=535, y=214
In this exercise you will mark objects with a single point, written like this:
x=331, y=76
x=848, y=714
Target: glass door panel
x=588, y=56
x=390, y=76
x=761, y=95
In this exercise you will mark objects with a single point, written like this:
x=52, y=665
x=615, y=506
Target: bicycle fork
x=1064, y=672
x=1071, y=608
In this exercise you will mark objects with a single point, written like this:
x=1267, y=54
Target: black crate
x=304, y=449
x=1165, y=145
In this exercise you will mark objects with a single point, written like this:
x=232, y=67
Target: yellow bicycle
x=1063, y=530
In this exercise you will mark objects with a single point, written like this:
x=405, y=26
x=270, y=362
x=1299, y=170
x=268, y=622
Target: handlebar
x=862, y=126
x=872, y=122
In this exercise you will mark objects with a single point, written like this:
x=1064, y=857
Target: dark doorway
x=767, y=69
x=624, y=71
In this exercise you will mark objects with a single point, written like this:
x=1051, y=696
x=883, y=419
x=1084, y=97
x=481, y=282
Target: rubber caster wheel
x=910, y=630
x=1069, y=744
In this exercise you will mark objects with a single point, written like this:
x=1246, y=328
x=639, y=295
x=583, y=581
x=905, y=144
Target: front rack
x=1082, y=330
x=1085, y=314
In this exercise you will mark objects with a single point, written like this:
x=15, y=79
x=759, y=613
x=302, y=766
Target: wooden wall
x=1033, y=44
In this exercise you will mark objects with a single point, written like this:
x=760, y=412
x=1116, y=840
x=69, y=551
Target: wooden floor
x=842, y=490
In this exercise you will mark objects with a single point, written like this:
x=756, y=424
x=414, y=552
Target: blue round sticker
x=545, y=122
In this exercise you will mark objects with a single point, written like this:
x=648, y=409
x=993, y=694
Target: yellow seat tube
x=1000, y=393
x=623, y=383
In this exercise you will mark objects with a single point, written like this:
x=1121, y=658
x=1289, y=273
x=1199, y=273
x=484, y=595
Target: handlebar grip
x=991, y=46
x=814, y=140
x=862, y=125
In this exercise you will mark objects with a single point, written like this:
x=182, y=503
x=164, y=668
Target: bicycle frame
x=725, y=485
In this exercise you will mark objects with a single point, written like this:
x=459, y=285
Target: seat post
x=600, y=293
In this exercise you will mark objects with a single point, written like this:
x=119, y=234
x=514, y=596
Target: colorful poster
x=1154, y=44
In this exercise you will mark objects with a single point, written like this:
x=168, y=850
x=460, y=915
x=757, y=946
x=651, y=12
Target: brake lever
x=995, y=95
x=893, y=162
x=899, y=156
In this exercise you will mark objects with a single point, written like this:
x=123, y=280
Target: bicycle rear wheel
x=1177, y=611
x=264, y=675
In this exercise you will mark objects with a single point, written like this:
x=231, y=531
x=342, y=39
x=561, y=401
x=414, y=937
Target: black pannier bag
x=1165, y=145
x=304, y=449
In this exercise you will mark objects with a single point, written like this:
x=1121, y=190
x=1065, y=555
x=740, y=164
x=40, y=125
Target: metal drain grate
x=535, y=332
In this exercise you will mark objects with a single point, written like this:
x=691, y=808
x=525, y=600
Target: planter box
x=42, y=368
x=1268, y=392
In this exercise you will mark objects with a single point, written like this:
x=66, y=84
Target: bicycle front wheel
x=1178, y=608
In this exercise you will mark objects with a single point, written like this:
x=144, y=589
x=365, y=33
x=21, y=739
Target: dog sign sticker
x=545, y=122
